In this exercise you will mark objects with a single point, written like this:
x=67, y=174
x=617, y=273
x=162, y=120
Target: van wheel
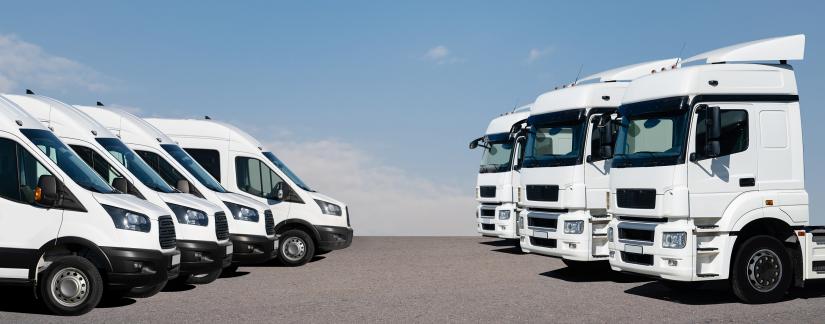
x=762, y=271
x=71, y=285
x=296, y=248
x=146, y=291
x=204, y=278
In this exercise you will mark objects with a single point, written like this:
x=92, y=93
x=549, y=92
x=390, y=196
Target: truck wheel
x=146, y=291
x=204, y=278
x=71, y=285
x=295, y=248
x=762, y=270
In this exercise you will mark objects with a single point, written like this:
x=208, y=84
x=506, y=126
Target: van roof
x=239, y=139
x=64, y=120
x=130, y=128
x=14, y=117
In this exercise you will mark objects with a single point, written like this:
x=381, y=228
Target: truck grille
x=542, y=222
x=636, y=198
x=543, y=242
x=269, y=221
x=221, y=227
x=166, y=232
x=487, y=191
x=643, y=259
x=488, y=227
x=543, y=192
x=488, y=212
x=636, y=234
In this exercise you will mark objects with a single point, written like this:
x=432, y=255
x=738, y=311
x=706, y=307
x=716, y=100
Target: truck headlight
x=241, y=212
x=329, y=208
x=128, y=220
x=674, y=240
x=610, y=234
x=503, y=214
x=573, y=227
x=189, y=216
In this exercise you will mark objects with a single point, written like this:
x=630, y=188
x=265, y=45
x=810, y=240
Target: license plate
x=176, y=259
x=228, y=249
x=541, y=234
x=633, y=249
x=486, y=221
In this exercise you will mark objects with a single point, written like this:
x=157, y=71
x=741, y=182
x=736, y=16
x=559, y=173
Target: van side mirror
x=45, y=194
x=183, y=186
x=713, y=131
x=121, y=184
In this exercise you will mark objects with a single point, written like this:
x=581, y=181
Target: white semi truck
x=707, y=181
x=65, y=231
x=565, y=166
x=199, y=225
x=497, y=181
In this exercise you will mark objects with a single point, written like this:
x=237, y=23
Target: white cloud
x=26, y=65
x=383, y=199
x=441, y=55
x=535, y=54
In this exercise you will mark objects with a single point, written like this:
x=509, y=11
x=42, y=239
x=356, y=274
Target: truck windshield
x=67, y=160
x=135, y=164
x=652, y=133
x=193, y=167
x=292, y=176
x=498, y=156
x=555, y=139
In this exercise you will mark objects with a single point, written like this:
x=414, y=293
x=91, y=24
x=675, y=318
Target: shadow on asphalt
x=115, y=302
x=178, y=287
x=597, y=274
x=511, y=250
x=19, y=299
x=234, y=274
x=711, y=293
x=510, y=243
x=276, y=264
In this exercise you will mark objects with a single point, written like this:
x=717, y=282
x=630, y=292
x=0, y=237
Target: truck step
x=707, y=275
x=600, y=255
x=599, y=234
x=706, y=229
x=707, y=250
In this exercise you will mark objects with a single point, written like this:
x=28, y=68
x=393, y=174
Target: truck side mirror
x=474, y=143
x=183, y=186
x=713, y=131
x=45, y=194
x=606, y=138
x=121, y=184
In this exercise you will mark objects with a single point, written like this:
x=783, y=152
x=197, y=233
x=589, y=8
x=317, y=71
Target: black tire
x=295, y=248
x=763, y=262
x=682, y=285
x=205, y=278
x=75, y=275
x=146, y=291
x=232, y=268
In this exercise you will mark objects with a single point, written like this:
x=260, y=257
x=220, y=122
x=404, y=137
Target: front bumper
x=651, y=259
x=495, y=227
x=201, y=257
x=333, y=237
x=253, y=249
x=589, y=245
x=138, y=267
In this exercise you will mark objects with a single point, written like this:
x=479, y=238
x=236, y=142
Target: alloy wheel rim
x=764, y=270
x=294, y=249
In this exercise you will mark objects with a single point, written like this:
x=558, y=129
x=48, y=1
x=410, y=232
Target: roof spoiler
x=631, y=72
x=769, y=49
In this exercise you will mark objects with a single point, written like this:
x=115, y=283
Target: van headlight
x=189, y=216
x=128, y=220
x=329, y=208
x=674, y=240
x=241, y=212
x=503, y=214
x=573, y=227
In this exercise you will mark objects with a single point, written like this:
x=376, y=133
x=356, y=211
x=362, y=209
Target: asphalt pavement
x=430, y=279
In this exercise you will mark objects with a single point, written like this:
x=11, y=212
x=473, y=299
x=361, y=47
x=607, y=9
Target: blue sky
x=396, y=87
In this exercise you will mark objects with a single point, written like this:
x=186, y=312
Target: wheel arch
x=295, y=223
x=71, y=245
x=779, y=228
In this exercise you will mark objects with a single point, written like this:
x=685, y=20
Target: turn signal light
x=769, y=202
x=38, y=194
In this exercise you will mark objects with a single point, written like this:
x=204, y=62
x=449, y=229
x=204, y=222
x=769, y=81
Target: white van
x=309, y=223
x=65, y=231
x=251, y=227
x=201, y=227
x=498, y=182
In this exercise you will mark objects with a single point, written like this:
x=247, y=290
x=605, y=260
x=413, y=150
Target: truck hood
x=503, y=183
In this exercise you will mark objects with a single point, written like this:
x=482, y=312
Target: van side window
x=20, y=172
x=208, y=159
x=255, y=178
x=734, y=132
x=97, y=162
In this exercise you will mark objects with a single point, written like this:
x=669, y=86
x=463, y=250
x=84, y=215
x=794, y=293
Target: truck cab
x=310, y=223
x=565, y=166
x=205, y=250
x=707, y=180
x=251, y=226
x=497, y=181
x=65, y=231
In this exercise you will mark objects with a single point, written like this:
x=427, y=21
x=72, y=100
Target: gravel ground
x=431, y=279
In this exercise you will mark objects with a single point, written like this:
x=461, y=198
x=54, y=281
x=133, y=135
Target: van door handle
x=747, y=182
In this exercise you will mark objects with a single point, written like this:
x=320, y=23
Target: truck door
x=715, y=182
x=24, y=226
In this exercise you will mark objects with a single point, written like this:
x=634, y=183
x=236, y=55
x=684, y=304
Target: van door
x=24, y=227
x=715, y=182
x=255, y=178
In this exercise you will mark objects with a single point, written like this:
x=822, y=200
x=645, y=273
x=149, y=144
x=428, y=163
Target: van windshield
x=193, y=167
x=292, y=176
x=135, y=164
x=67, y=160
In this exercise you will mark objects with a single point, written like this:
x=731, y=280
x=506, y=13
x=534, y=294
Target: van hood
x=131, y=203
x=243, y=200
x=188, y=200
x=320, y=196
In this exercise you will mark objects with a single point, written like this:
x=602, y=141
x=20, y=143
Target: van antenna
x=578, y=74
x=679, y=57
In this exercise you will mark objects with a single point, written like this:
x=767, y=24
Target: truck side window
x=208, y=159
x=255, y=178
x=595, y=140
x=97, y=162
x=9, y=187
x=734, y=132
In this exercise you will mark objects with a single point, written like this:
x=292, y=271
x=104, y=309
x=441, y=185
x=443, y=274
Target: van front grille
x=166, y=232
x=221, y=227
x=269, y=222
